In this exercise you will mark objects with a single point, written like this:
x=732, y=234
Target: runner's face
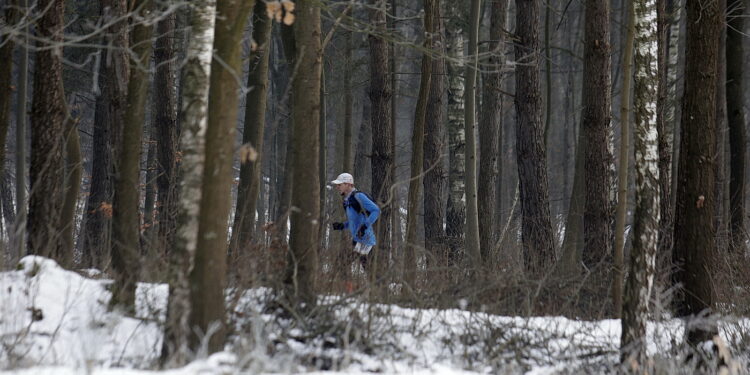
x=343, y=188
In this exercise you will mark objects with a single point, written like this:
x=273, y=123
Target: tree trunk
x=434, y=148
x=108, y=122
x=666, y=128
x=347, y=160
x=72, y=177
x=538, y=242
x=721, y=161
x=735, y=97
x=9, y=214
x=417, y=156
x=622, y=178
x=165, y=127
x=125, y=220
x=149, y=200
x=694, y=246
x=456, y=214
x=6, y=89
x=19, y=238
x=255, y=122
x=195, y=83
x=47, y=120
x=490, y=131
x=208, y=278
x=646, y=217
x=596, y=122
x=303, y=239
x=382, y=157
x=471, y=243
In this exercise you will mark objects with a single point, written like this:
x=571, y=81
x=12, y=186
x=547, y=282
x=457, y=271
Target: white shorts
x=362, y=248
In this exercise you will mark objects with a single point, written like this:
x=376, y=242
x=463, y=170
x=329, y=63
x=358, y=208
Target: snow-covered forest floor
x=54, y=321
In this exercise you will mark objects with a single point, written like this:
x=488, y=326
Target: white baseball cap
x=344, y=178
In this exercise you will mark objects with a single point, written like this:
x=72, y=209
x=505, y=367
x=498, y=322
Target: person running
x=361, y=214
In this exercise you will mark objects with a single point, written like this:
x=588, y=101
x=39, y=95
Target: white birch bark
x=646, y=219
x=196, y=74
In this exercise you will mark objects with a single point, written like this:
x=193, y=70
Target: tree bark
x=434, y=148
x=208, y=278
x=382, y=157
x=417, y=156
x=622, y=177
x=165, y=127
x=19, y=238
x=109, y=119
x=456, y=214
x=735, y=97
x=47, y=121
x=303, y=239
x=646, y=218
x=72, y=177
x=490, y=131
x=255, y=123
x=471, y=244
x=596, y=122
x=195, y=82
x=694, y=230
x=125, y=220
x=536, y=232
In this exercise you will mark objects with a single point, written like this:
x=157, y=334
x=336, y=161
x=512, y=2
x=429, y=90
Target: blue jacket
x=356, y=219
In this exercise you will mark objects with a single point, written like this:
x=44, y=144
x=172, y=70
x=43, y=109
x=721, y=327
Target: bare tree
x=382, y=157
x=456, y=207
x=434, y=149
x=596, y=123
x=735, y=97
x=622, y=178
x=208, y=278
x=255, y=122
x=646, y=217
x=165, y=127
x=471, y=231
x=303, y=240
x=694, y=245
x=109, y=118
x=47, y=121
x=417, y=156
x=125, y=220
x=490, y=129
x=196, y=74
x=538, y=242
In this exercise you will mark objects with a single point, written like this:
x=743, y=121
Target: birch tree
x=196, y=74
x=646, y=218
x=456, y=214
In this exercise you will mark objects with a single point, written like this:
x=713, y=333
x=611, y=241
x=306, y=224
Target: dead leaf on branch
x=280, y=11
x=248, y=153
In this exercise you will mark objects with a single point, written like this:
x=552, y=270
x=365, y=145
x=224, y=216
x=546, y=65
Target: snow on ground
x=54, y=321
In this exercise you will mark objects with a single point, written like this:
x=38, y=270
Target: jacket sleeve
x=370, y=207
